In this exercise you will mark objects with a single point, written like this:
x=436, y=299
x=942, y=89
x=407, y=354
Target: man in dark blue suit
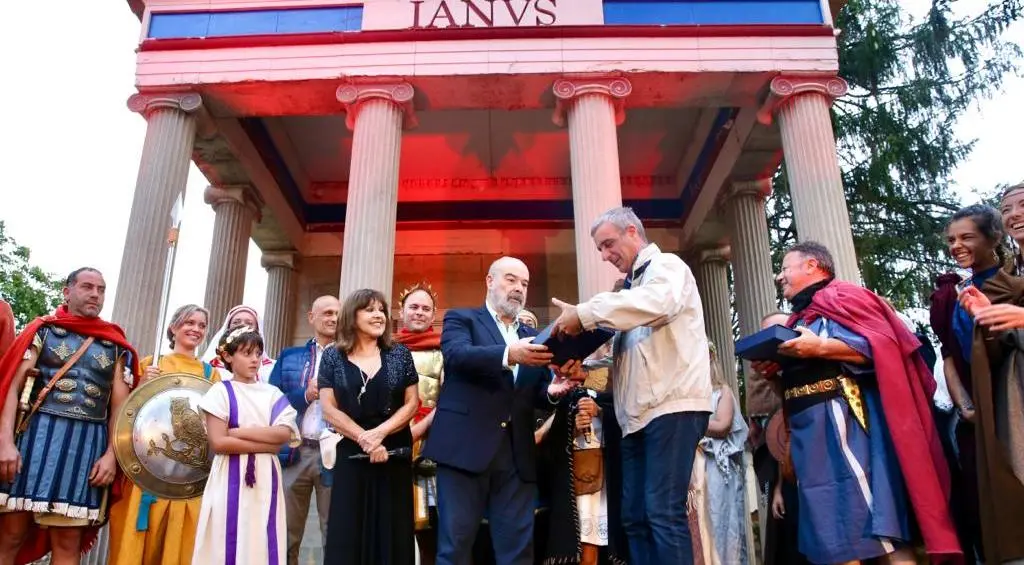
x=482, y=436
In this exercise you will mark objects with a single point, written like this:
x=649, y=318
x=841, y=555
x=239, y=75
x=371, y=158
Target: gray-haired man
x=662, y=382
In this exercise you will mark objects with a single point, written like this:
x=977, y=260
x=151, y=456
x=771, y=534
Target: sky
x=73, y=147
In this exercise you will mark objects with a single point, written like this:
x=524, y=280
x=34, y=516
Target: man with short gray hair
x=662, y=382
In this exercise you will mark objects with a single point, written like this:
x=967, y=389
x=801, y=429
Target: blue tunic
x=853, y=502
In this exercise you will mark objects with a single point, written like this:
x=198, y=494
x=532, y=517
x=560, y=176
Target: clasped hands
x=996, y=317
x=806, y=345
x=371, y=442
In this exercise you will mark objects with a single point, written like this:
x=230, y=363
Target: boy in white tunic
x=242, y=519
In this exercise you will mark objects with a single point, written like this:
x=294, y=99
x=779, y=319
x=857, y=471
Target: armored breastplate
x=83, y=393
x=428, y=366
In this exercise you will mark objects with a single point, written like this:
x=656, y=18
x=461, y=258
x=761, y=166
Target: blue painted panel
x=225, y=24
x=256, y=22
x=318, y=20
x=179, y=25
x=711, y=12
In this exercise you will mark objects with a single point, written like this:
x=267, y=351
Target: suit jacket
x=479, y=401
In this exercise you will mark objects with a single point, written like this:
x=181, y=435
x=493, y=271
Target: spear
x=172, y=249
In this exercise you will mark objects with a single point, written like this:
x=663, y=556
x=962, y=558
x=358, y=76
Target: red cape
x=906, y=386
x=37, y=544
x=422, y=341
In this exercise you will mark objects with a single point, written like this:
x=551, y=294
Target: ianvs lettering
x=439, y=14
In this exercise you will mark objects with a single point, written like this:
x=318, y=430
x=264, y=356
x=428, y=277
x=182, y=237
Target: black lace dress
x=371, y=516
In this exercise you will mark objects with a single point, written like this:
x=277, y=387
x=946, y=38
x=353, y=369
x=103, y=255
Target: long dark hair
x=359, y=300
x=990, y=224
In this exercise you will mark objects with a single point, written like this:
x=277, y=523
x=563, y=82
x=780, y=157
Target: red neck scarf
x=422, y=341
x=906, y=386
x=37, y=544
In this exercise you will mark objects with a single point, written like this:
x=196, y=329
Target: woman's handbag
x=588, y=470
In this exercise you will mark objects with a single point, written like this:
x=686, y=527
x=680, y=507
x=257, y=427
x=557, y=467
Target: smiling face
x=618, y=247
x=968, y=246
x=418, y=312
x=1012, y=211
x=507, y=283
x=243, y=318
x=86, y=294
x=798, y=272
x=191, y=331
x=372, y=321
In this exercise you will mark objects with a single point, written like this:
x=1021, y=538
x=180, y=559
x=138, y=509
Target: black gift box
x=579, y=347
x=764, y=345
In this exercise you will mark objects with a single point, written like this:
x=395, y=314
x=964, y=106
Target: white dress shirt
x=511, y=335
x=313, y=419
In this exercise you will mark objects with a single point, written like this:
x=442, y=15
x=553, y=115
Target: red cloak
x=422, y=341
x=906, y=386
x=37, y=544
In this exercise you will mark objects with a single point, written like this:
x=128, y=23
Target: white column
x=163, y=170
x=812, y=167
x=279, y=309
x=235, y=209
x=713, y=285
x=592, y=108
x=753, y=278
x=376, y=114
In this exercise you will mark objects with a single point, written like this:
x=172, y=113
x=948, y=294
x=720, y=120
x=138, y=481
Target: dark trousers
x=656, y=465
x=462, y=500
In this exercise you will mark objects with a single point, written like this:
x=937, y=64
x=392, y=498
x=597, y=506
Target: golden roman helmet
x=422, y=285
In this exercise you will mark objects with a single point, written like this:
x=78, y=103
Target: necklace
x=365, y=378
x=362, y=389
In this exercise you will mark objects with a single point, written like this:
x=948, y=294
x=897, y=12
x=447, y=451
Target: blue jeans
x=656, y=466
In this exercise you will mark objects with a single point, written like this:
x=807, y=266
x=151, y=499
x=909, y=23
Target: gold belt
x=845, y=385
x=826, y=385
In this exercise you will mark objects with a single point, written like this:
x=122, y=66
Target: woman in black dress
x=368, y=394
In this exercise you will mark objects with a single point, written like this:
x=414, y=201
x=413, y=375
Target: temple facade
x=382, y=142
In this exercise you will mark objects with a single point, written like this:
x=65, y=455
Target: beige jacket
x=661, y=361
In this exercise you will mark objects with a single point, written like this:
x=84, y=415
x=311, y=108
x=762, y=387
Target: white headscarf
x=211, y=357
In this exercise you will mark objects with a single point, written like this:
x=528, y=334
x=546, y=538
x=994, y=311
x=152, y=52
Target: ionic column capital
x=567, y=90
x=146, y=103
x=758, y=188
x=243, y=194
x=398, y=93
x=278, y=260
x=785, y=87
x=714, y=255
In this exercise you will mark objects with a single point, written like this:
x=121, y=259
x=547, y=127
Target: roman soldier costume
x=62, y=428
x=426, y=355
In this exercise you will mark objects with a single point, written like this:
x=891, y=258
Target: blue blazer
x=479, y=402
x=292, y=364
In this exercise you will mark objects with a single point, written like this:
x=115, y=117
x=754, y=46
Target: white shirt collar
x=497, y=318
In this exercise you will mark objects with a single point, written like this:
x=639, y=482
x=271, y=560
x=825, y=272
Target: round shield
x=160, y=436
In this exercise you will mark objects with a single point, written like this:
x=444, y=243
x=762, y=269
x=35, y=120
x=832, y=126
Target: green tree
x=910, y=81
x=30, y=291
